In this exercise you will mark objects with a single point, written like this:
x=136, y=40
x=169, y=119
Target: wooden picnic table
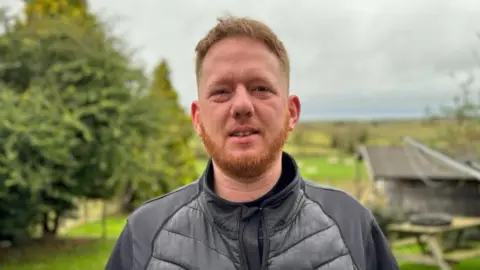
x=430, y=239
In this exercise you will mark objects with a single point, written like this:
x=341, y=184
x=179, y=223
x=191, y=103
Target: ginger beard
x=251, y=166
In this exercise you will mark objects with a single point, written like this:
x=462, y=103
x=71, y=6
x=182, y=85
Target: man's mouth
x=242, y=133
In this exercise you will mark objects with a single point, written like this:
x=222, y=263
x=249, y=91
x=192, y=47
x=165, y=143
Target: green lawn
x=472, y=264
x=114, y=228
x=80, y=248
x=75, y=251
x=61, y=255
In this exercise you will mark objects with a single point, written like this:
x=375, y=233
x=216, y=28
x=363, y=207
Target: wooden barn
x=417, y=179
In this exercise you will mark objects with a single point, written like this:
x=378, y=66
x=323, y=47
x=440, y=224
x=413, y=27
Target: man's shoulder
x=134, y=247
x=354, y=220
x=338, y=204
x=152, y=213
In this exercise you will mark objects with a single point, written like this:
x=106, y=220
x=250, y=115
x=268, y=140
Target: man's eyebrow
x=221, y=79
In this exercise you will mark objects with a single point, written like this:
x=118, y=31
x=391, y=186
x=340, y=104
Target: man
x=251, y=209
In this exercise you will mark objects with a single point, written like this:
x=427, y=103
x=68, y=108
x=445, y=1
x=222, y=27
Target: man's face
x=243, y=113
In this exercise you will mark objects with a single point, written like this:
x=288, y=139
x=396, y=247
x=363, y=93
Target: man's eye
x=260, y=89
x=220, y=92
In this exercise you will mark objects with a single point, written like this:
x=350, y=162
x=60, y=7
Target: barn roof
x=407, y=161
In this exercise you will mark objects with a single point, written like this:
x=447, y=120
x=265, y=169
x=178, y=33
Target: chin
x=250, y=152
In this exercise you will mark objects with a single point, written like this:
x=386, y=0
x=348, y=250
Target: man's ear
x=294, y=110
x=195, y=115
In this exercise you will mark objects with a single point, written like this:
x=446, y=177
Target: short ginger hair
x=231, y=26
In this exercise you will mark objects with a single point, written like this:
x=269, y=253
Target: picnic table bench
x=430, y=239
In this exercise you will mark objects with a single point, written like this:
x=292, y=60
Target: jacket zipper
x=243, y=256
x=265, y=241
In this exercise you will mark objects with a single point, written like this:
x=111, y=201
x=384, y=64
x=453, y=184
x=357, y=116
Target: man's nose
x=242, y=106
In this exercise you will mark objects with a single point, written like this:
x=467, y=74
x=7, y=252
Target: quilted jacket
x=301, y=226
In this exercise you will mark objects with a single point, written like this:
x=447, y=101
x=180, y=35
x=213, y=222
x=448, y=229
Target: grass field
x=388, y=131
x=79, y=251
x=67, y=254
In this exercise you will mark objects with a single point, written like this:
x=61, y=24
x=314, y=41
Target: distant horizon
x=330, y=116
x=363, y=117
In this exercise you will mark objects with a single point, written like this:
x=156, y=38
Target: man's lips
x=243, y=132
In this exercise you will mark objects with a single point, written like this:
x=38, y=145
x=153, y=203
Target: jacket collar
x=278, y=207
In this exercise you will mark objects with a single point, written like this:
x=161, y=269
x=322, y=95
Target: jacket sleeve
x=379, y=256
x=121, y=257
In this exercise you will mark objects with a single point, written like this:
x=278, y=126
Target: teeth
x=243, y=133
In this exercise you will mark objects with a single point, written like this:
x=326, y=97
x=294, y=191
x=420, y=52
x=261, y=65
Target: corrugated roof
x=407, y=161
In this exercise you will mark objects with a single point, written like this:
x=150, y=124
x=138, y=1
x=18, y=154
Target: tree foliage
x=349, y=139
x=177, y=152
x=77, y=120
x=461, y=136
x=70, y=9
x=180, y=154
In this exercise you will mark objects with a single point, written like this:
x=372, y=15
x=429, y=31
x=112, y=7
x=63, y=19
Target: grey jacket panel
x=191, y=242
x=339, y=263
x=312, y=241
x=159, y=264
x=147, y=221
x=358, y=227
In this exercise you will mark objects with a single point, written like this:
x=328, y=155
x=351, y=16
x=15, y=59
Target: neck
x=236, y=189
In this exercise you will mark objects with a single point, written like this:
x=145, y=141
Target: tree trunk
x=128, y=199
x=104, y=220
x=50, y=226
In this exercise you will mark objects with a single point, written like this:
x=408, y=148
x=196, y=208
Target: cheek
x=273, y=122
x=213, y=125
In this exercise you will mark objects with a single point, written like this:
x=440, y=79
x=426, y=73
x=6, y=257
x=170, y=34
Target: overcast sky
x=363, y=58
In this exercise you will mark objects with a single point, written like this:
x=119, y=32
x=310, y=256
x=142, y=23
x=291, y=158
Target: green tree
x=36, y=10
x=349, y=139
x=462, y=133
x=181, y=154
x=177, y=155
x=76, y=122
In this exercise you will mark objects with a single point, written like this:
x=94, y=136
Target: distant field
x=382, y=132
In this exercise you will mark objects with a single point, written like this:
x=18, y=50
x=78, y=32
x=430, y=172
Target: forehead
x=239, y=58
